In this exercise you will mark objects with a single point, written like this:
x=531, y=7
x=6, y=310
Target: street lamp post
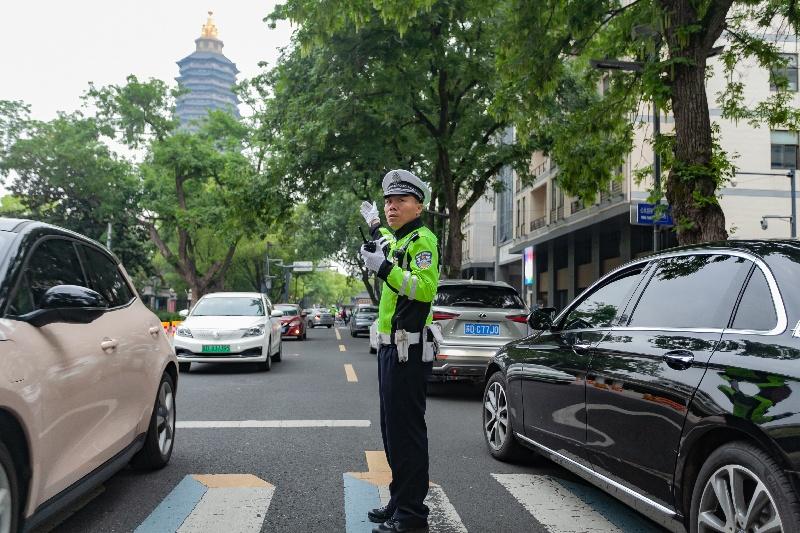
x=638, y=66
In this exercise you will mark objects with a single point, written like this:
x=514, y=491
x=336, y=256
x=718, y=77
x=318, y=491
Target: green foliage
x=166, y=316
x=367, y=97
x=66, y=175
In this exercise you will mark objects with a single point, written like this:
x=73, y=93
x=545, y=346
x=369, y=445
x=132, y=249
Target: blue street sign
x=644, y=215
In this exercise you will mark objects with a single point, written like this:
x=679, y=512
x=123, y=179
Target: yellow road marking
x=342, y=348
x=219, y=481
x=351, y=373
x=379, y=472
x=338, y=337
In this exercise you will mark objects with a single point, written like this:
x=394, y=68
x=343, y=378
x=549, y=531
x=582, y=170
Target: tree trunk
x=691, y=177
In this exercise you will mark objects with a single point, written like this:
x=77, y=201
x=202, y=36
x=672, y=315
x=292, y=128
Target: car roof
x=287, y=305
x=473, y=282
x=233, y=294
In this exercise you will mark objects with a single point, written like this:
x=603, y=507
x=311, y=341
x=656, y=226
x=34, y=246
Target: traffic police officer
x=407, y=260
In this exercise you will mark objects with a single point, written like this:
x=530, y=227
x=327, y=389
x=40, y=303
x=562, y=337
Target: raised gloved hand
x=370, y=213
x=373, y=256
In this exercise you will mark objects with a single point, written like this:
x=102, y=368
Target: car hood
x=223, y=322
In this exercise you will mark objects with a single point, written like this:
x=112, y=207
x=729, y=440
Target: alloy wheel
x=5, y=502
x=495, y=415
x=735, y=500
x=165, y=418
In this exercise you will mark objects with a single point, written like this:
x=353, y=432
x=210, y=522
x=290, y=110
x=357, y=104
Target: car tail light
x=520, y=319
x=441, y=315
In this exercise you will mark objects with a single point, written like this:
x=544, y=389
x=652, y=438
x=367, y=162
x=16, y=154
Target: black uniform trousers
x=405, y=436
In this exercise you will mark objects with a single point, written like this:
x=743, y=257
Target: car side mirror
x=276, y=314
x=541, y=318
x=183, y=313
x=67, y=303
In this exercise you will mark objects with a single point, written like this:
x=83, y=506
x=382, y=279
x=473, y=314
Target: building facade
x=208, y=78
x=571, y=244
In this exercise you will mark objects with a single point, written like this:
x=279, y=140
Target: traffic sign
x=303, y=266
x=643, y=214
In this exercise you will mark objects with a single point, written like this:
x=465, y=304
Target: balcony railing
x=541, y=168
x=556, y=214
x=538, y=223
x=576, y=206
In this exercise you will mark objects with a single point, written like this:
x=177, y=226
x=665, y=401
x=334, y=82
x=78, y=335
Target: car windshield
x=478, y=296
x=236, y=306
x=288, y=311
x=367, y=309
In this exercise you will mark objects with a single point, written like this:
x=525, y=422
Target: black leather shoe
x=380, y=514
x=393, y=526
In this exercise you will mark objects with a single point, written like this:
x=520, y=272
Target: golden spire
x=209, y=28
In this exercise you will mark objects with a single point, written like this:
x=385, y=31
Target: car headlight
x=183, y=332
x=255, y=331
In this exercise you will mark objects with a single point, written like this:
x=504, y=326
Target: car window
x=233, y=306
x=756, y=310
x=367, y=310
x=53, y=262
x=478, y=296
x=106, y=278
x=289, y=312
x=599, y=308
x=693, y=291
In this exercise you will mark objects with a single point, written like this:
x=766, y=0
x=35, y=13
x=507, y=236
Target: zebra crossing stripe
x=568, y=507
x=366, y=490
x=215, y=502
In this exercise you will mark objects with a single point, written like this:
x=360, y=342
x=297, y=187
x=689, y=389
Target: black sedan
x=673, y=383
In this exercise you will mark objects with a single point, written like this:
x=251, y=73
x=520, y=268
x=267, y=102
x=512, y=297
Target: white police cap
x=397, y=182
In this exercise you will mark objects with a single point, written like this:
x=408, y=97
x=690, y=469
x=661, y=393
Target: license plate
x=216, y=348
x=482, y=329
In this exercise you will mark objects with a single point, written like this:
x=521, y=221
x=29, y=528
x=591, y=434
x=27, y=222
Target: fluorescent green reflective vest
x=411, y=276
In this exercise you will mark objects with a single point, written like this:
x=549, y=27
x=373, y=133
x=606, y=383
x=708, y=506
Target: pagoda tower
x=208, y=76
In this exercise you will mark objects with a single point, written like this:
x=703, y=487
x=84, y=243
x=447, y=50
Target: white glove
x=372, y=260
x=370, y=213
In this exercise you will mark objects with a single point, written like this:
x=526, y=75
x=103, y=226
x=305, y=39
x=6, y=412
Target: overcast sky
x=52, y=49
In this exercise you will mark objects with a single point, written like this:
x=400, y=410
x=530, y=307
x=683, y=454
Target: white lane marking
x=338, y=337
x=443, y=516
x=350, y=372
x=230, y=509
x=342, y=348
x=212, y=424
x=554, y=506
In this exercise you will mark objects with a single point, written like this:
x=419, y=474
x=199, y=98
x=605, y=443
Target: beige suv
x=87, y=374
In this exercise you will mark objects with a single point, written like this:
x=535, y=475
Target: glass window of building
x=787, y=74
x=783, y=150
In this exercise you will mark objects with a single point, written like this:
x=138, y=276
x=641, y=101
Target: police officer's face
x=401, y=209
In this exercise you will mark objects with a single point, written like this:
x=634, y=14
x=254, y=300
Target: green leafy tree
x=202, y=188
x=539, y=42
x=65, y=174
x=367, y=98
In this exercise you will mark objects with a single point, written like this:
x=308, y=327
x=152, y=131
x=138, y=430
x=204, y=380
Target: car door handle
x=679, y=359
x=109, y=344
x=154, y=330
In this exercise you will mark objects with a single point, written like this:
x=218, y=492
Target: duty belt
x=385, y=338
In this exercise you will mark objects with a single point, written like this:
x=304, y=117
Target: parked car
x=320, y=317
x=293, y=322
x=230, y=327
x=87, y=374
x=673, y=383
x=477, y=318
x=362, y=318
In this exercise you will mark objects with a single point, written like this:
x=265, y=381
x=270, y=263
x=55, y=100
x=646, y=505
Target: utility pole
x=108, y=235
x=792, y=175
x=656, y=168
